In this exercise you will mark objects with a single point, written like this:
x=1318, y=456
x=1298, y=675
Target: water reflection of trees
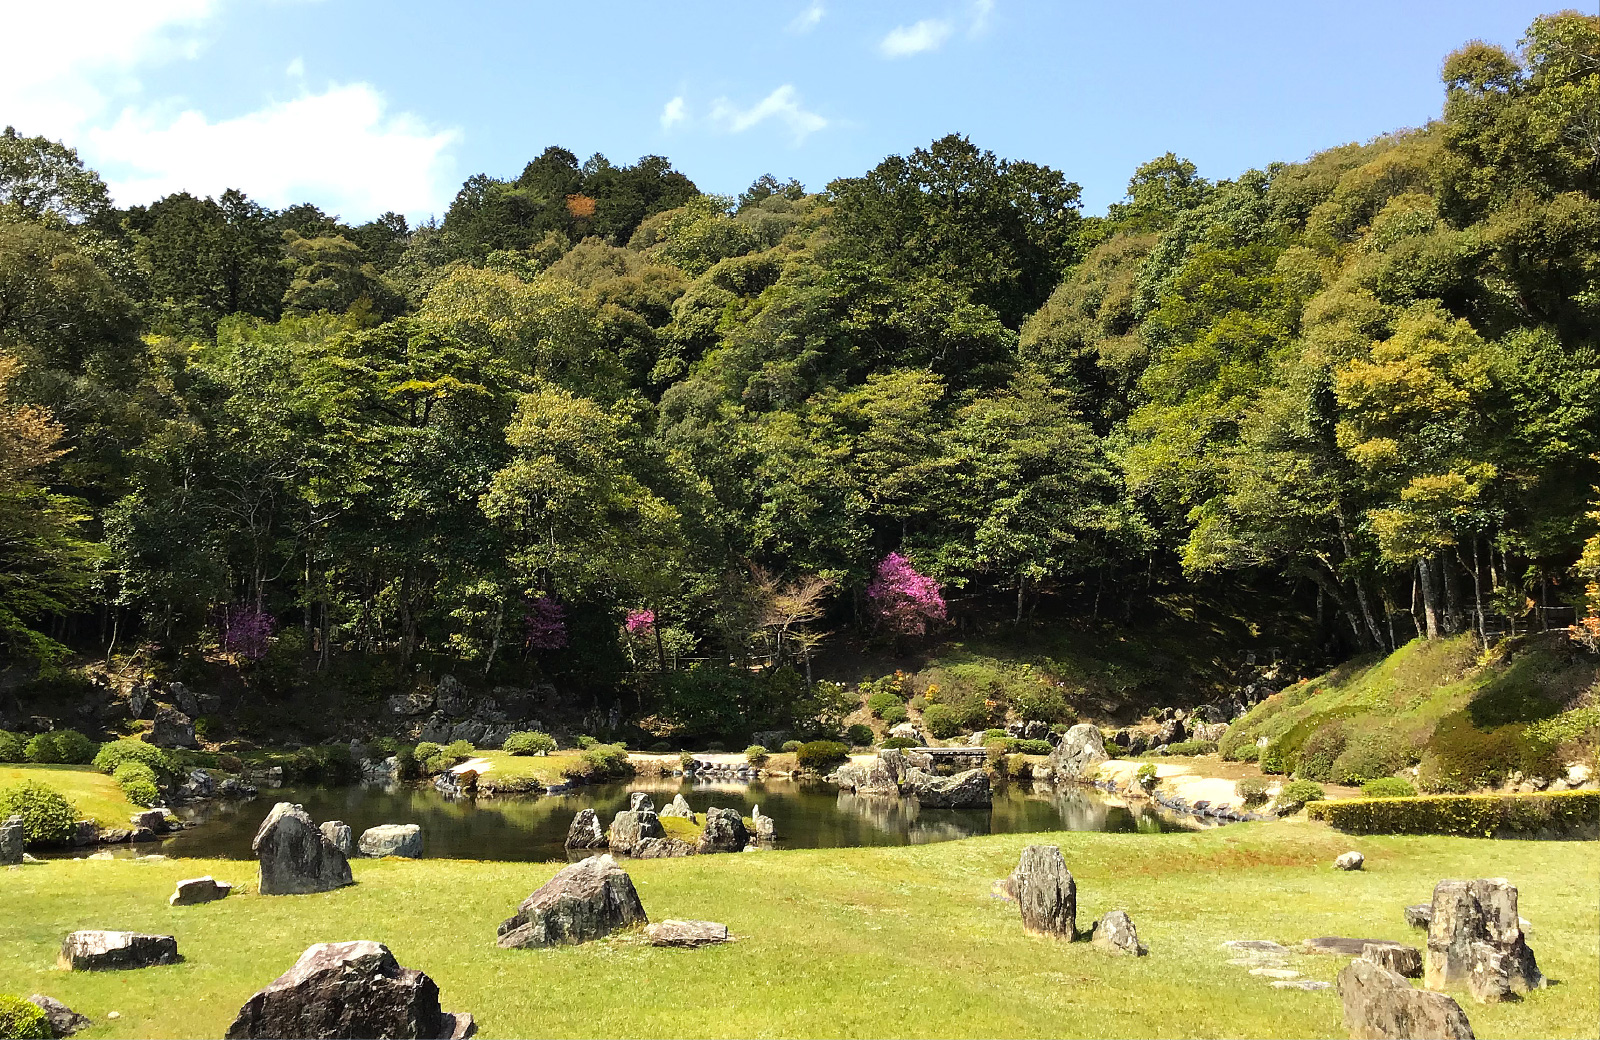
x=904, y=816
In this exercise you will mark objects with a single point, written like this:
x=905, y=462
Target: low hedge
x=1569, y=814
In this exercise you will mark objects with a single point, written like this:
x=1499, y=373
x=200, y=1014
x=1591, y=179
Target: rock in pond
x=766, y=829
x=13, y=839
x=639, y=801
x=1045, y=892
x=63, y=1020
x=687, y=933
x=629, y=829
x=678, y=807
x=1399, y=958
x=587, y=900
x=1080, y=753
x=1381, y=1005
x=116, y=951
x=585, y=832
x=295, y=856
x=348, y=989
x=340, y=835
x=964, y=790
x=391, y=839
x=1475, y=937
x=154, y=820
x=724, y=832
x=1115, y=933
x=1351, y=860
x=193, y=891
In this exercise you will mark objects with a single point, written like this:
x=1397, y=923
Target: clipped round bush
x=895, y=714
x=1371, y=755
x=586, y=742
x=859, y=735
x=22, y=1020
x=941, y=721
x=138, y=782
x=115, y=752
x=660, y=746
x=12, y=747
x=755, y=754
x=43, y=749
x=1246, y=752
x=882, y=701
x=1388, y=787
x=1252, y=790
x=425, y=750
x=75, y=748
x=530, y=742
x=47, y=817
x=821, y=755
x=1320, y=751
x=1276, y=760
x=789, y=747
x=899, y=742
x=1033, y=747
x=1296, y=794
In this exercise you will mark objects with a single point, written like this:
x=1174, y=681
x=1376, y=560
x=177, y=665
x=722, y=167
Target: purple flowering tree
x=904, y=601
x=640, y=623
x=246, y=631
x=545, y=624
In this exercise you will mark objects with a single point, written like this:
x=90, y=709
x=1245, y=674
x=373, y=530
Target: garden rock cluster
x=94, y=950
x=585, y=901
x=909, y=774
x=1047, y=898
x=295, y=856
x=453, y=713
x=348, y=989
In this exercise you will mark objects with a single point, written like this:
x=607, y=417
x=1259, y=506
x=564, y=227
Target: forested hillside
x=596, y=426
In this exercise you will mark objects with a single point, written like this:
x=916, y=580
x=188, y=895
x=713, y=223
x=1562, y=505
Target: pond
x=534, y=828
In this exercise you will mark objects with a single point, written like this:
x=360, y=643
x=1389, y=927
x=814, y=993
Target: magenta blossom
x=640, y=622
x=904, y=601
x=545, y=624
x=245, y=631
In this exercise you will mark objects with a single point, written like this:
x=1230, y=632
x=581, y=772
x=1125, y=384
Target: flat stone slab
x=116, y=951
x=1340, y=946
x=687, y=933
x=391, y=839
x=192, y=891
x=1305, y=984
x=1275, y=973
x=1255, y=946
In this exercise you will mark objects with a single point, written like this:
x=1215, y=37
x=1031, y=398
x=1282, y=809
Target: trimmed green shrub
x=821, y=755
x=755, y=754
x=1244, y=752
x=75, y=748
x=1252, y=790
x=883, y=701
x=1371, y=755
x=1192, y=747
x=941, y=721
x=899, y=742
x=1460, y=757
x=115, y=752
x=895, y=714
x=1298, y=793
x=1565, y=814
x=47, y=817
x=1042, y=703
x=1033, y=747
x=1319, y=752
x=12, y=747
x=1276, y=760
x=1388, y=787
x=599, y=763
x=1146, y=775
x=660, y=747
x=42, y=749
x=138, y=782
x=686, y=759
x=405, y=763
x=22, y=1020
x=790, y=747
x=586, y=742
x=425, y=750
x=530, y=742
x=859, y=735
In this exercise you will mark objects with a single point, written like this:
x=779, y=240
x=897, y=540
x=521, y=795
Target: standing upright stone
x=173, y=729
x=724, y=832
x=13, y=838
x=678, y=807
x=1079, y=754
x=1046, y=892
x=585, y=832
x=339, y=833
x=639, y=801
x=584, y=901
x=1475, y=939
x=1381, y=1005
x=295, y=856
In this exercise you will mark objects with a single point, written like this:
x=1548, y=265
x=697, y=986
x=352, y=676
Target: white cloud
x=339, y=149
x=673, y=113
x=807, y=20
x=782, y=104
x=906, y=40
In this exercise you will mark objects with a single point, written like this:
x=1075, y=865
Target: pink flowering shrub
x=245, y=631
x=545, y=624
x=640, y=622
x=904, y=601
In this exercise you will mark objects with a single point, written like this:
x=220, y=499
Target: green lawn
x=866, y=942
x=96, y=795
x=544, y=768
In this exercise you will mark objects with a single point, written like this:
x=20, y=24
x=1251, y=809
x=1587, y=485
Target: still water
x=534, y=828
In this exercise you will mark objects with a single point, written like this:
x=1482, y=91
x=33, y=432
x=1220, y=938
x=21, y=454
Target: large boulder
x=872, y=778
x=687, y=933
x=1079, y=754
x=585, y=832
x=417, y=702
x=1045, y=892
x=348, y=989
x=639, y=801
x=63, y=1020
x=661, y=848
x=339, y=833
x=392, y=839
x=964, y=790
x=1381, y=1005
x=13, y=838
x=678, y=807
x=115, y=951
x=193, y=891
x=587, y=900
x=1475, y=938
x=295, y=856
x=1115, y=933
x=173, y=729
x=452, y=697
x=724, y=832
x=628, y=829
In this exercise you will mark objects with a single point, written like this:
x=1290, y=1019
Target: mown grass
x=864, y=942
x=544, y=768
x=96, y=796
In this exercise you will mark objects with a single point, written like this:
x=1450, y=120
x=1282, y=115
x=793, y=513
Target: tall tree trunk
x=1432, y=596
x=1454, y=599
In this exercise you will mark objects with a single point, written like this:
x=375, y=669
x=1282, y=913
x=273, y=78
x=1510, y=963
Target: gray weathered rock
x=192, y=891
x=687, y=933
x=872, y=778
x=13, y=839
x=1397, y=957
x=585, y=901
x=639, y=801
x=392, y=839
x=766, y=829
x=1419, y=914
x=417, y=702
x=1045, y=892
x=173, y=729
x=295, y=856
x=150, y=819
x=1381, y=1005
x=340, y=835
x=965, y=790
x=678, y=807
x=1115, y=933
x=115, y=951
x=63, y=1020
x=451, y=696
x=628, y=829
x=1342, y=946
x=1475, y=938
x=348, y=989
x=724, y=832
x=585, y=832
x=1169, y=732
x=1305, y=984
x=661, y=848
x=907, y=731
x=1351, y=860
x=1079, y=754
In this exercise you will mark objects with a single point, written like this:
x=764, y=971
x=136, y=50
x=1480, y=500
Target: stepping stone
x=1305, y=984
x=1258, y=962
x=1340, y=946
x=199, y=890
x=1275, y=973
x=687, y=933
x=1256, y=946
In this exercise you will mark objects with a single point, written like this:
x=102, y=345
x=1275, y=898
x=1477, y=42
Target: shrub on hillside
x=859, y=735
x=405, y=763
x=883, y=701
x=47, y=817
x=1370, y=754
x=530, y=742
x=1252, y=790
x=1561, y=814
x=1388, y=787
x=755, y=754
x=424, y=751
x=599, y=763
x=895, y=715
x=1320, y=751
x=74, y=748
x=821, y=755
x=23, y=1020
x=899, y=742
x=138, y=783
x=789, y=747
x=1244, y=752
x=1296, y=794
x=585, y=742
x=1275, y=759
x=1192, y=747
x=1460, y=757
x=941, y=721
x=13, y=748
x=1040, y=702
x=115, y=752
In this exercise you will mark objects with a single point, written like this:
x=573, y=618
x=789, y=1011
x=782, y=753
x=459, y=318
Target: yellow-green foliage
x=22, y=1020
x=1566, y=814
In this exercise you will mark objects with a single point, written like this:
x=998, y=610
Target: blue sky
x=367, y=105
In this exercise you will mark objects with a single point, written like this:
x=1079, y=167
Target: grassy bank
x=866, y=942
x=95, y=795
